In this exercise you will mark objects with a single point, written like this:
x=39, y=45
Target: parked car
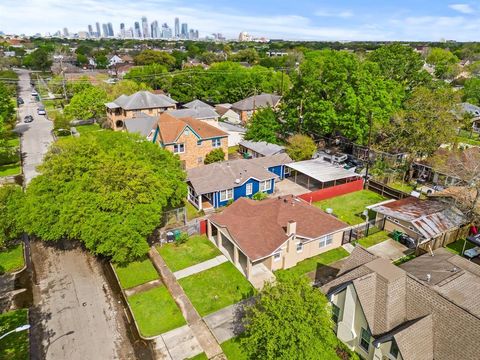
x=20, y=101
x=34, y=93
x=41, y=111
x=353, y=162
x=333, y=158
x=28, y=119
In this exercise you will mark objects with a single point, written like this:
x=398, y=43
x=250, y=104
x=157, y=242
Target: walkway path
x=200, y=330
x=200, y=267
x=143, y=287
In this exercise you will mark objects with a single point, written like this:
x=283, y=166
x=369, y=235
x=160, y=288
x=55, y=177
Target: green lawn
x=155, y=311
x=136, y=273
x=196, y=250
x=14, y=142
x=404, y=259
x=200, y=356
x=216, y=288
x=402, y=186
x=308, y=265
x=233, y=149
x=85, y=129
x=12, y=259
x=457, y=246
x=192, y=212
x=373, y=239
x=14, y=346
x=349, y=207
x=468, y=138
x=233, y=350
x=10, y=169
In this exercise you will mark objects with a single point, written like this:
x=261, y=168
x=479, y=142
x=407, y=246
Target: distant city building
x=177, y=28
x=137, y=33
x=90, y=30
x=244, y=37
x=110, y=29
x=166, y=31
x=129, y=33
x=97, y=25
x=83, y=35
x=146, y=33
x=105, y=30
x=154, y=30
x=122, y=30
x=65, y=32
x=184, y=33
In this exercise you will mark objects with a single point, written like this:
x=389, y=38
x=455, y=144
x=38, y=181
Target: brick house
x=130, y=107
x=427, y=308
x=246, y=108
x=189, y=138
x=262, y=236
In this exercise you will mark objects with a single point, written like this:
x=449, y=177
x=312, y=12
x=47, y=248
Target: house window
x=326, y=240
x=187, y=132
x=287, y=171
x=276, y=256
x=394, y=350
x=178, y=148
x=199, y=142
x=299, y=247
x=249, y=189
x=265, y=185
x=216, y=143
x=365, y=339
x=226, y=195
x=335, y=313
x=396, y=221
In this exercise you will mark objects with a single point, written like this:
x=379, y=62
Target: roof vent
x=429, y=277
x=455, y=269
x=237, y=181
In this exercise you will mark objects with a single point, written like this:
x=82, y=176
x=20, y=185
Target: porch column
x=209, y=229
x=219, y=239
x=199, y=202
x=235, y=255
x=249, y=268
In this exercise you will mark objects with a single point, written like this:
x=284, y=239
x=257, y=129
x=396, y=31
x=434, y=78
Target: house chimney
x=291, y=227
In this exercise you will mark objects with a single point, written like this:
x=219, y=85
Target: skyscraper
x=184, y=34
x=90, y=30
x=97, y=25
x=166, y=31
x=122, y=30
x=110, y=29
x=154, y=31
x=145, y=27
x=105, y=30
x=177, y=28
x=65, y=32
x=137, y=33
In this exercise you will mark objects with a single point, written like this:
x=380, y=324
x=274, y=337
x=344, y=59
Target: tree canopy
x=38, y=60
x=87, y=104
x=216, y=155
x=263, y=126
x=471, y=91
x=300, y=147
x=105, y=189
x=11, y=197
x=445, y=62
x=149, y=57
x=290, y=320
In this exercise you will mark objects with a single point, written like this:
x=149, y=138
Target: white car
x=34, y=93
x=41, y=112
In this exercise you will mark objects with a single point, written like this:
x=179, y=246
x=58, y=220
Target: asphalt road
x=75, y=314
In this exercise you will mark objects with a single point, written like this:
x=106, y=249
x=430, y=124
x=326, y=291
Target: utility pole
x=367, y=167
x=63, y=78
x=300, y=118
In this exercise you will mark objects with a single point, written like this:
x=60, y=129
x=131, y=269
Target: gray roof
x=198, y=113
x=226, y=175
x=257, y=101
x=273, y=160
x=142, y=124
x=142, y=100
x=262, y=147
x=321, y=170
x=197, y=104
x=231, y=127
x=471, y=109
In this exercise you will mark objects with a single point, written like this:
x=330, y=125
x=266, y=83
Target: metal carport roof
x=322, y=171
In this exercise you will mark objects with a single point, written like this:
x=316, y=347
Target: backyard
x=467, y=137
x=195, y=250
x=85, y=129
x=373, y=239
x=349, y=208
x=16, y=345
x=216, y=288
x=136, y=273
x=457, y=246
x=233, y=349
x=11, y=259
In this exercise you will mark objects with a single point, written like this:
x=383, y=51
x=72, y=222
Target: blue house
x=215, y=185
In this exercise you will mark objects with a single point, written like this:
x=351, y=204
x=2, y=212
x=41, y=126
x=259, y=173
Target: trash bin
x=396, y=235
x=170, y=237
x=176, y=234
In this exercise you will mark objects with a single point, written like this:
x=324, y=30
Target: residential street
x=75, y=314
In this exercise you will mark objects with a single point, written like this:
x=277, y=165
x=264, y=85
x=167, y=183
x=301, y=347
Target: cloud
x=462, y=8
x=331, y=13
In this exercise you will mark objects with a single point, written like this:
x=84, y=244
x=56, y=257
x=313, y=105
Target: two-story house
x=130, y=107
x=191, y=139
x=246, y=108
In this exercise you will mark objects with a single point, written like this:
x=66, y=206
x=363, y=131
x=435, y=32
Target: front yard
x=10, y=156
x=155, y=311
x=349, y=208
x=16, y=345
x=233, y=349
x=85, y=129
x=196, y=250
x=216, y=288
x=11, y=259
x=136, y=273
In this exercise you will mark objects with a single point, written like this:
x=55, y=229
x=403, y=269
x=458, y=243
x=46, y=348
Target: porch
x=201, y=202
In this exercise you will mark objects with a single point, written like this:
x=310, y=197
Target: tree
x=152, y=75
x=444, y=62
x=471, y=91
x=38, y=60
x=249, y=55
x=82, y=59
x=87, y=104
x=215, y=155
x=149, y=57
x=126, y=87
x=7, y=108
x=290, y=320
x=263, y=126
x=300, y=147
x=106, y=189
x=11, y=199
x=101, y=60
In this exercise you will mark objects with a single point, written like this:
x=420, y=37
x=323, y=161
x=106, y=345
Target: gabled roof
x=143, y=100
x=257, y=101
x=259, y=227
x=199, y=113
x=170, y=128
x=262, y=147
x=143, y=124
x=197, y=104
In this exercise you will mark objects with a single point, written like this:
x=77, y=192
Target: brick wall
x=333, y=191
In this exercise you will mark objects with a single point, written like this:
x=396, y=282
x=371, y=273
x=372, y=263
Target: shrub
x=260, y=196
x=213, y=156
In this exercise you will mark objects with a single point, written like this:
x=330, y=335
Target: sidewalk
x=200, y=267
x=200, y=330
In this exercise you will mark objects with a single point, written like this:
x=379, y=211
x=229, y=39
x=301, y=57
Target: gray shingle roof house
x=197, y=104
x=246, y=107
x=428, y=308
x=142, y=124
x=201, y=113
x=260, y=148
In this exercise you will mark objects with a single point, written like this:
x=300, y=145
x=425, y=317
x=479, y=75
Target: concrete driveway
x=288, y=187
x=36, y=136
x=390, y=250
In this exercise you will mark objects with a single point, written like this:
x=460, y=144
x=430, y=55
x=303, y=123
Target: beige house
x=273, y=234
x=130, y=107
x=425, y=309
x=247, y=107
x=432, y=224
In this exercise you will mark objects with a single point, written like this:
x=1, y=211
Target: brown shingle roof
x=171, y=128
x=259, y=227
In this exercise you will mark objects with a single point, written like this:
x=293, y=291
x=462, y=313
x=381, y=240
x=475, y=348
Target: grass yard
x=233, y=149
x=349, y=207
x=14, y=346
x=85, y=129
x=308, y=265
x=216, y=288
x=155, y=311
x=10, y=169
x=402, y=186
x=200, y=356
x=14, y=142
x=192, y=212
x=136, y=273
x=196, y=250
x=457, y=246
x=233, y=350
x=12, y=259
x=373, y=239
x=467, y=137
x=404, y=259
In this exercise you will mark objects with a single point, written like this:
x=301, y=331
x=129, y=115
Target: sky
x=407, y=20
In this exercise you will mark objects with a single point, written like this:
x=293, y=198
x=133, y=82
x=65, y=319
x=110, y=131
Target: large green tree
x=87, y=104
x=40, y=59
x=336, y=92
x=149, y=57
x=153, y=75
x=263, y=126
x=107, y=190
x=445, y=62
x=289, y=320
x=300, y=147
x=471, y=91
x=11, y=199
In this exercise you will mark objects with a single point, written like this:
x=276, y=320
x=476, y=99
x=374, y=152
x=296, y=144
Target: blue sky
x=298, y=19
